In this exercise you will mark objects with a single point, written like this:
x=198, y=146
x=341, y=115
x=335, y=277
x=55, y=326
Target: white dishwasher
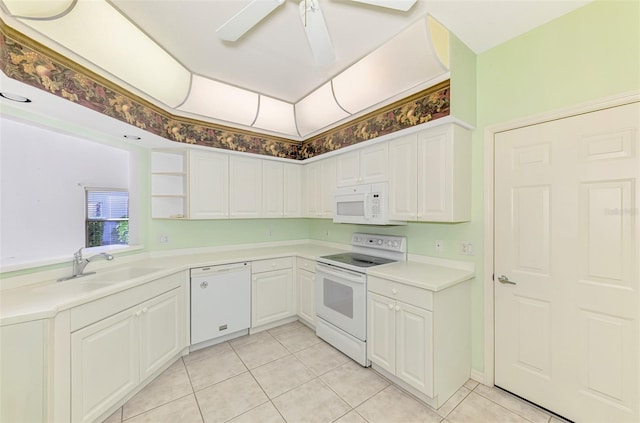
x=220, y=302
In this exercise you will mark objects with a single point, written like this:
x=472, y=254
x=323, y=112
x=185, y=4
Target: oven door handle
x=341, y=273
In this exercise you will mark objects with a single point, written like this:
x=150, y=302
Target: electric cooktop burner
x=358, y=260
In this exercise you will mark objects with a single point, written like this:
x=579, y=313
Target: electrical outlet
x=164, y=239
x=439, y=246
x=466, y=248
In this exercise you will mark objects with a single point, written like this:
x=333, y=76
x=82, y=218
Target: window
x=107, y=217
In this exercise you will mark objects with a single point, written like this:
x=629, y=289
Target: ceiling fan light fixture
x=317, y=33
x=247, y=18
x=402, y=5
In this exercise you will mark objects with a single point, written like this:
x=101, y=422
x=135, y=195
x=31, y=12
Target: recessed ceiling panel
x=98, y=33
x=214, y=99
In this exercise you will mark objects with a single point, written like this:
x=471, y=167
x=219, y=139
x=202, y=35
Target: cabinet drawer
x=88, y=313
x=406, y=293
x=271, y=264
x=306, y=264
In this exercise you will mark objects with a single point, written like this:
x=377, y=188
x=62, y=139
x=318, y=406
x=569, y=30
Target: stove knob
x=379, y=242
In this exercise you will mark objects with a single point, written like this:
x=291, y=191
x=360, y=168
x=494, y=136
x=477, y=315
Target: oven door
x=341, y=299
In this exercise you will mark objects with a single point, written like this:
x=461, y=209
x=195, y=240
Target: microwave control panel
x=375, y=205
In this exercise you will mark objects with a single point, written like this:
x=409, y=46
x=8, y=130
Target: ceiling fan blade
x=317, y=32
x=247, y=18
x=402, y=5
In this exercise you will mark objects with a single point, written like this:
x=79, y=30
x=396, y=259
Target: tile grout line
x=195, y=397
x=122, y=419
x=515, y=412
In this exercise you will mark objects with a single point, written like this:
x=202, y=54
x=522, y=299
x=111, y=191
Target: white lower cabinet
x=111, y=357
x=22, y=372
x=400, y=341
x=272, y=291
x=419, y=338
x=306, y=276
x=105, y=365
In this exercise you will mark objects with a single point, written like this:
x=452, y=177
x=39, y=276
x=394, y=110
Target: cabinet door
x=272, y=296
x=328, y=186
x=292, y=190
x=313, y=183
x=306, y=296
x=348, y=169
x=22, y=367
x=272, y=188
x=245, y=187
x=403, y=179
x=381, y=327
x=434, y=180
x=444, y=175
x=374, y=163
x=414, y=347
x=161, y=331
x=208, y=185
x=104, y=365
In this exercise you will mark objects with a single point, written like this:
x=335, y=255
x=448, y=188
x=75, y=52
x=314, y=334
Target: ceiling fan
x=312, y=19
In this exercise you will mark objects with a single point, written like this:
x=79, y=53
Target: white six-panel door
x=567, y=239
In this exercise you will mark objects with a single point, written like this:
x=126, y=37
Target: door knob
x=505, y=280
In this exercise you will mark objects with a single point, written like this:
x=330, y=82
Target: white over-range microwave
x=366, y=204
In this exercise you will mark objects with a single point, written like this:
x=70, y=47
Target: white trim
x=489, y=150
x=478, y=377
x=391, y=136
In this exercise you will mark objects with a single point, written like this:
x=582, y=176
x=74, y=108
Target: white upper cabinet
x=403, y=178
x=320, y=186
x=272, y=189
x=281, y=189
x=366, y=165
x=208, y=185
x=292, y=190
x=245, y=187
x=430, y=175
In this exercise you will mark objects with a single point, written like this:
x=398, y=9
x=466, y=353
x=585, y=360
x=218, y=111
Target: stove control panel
x=380, y=242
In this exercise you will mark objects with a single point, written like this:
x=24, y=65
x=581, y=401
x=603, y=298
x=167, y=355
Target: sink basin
x=120, y=275
x=91, y=282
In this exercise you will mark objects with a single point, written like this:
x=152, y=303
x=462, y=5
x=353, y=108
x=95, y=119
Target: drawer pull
x=138, y=313
x=397, y=308
x=394, y=291
x=390, y=306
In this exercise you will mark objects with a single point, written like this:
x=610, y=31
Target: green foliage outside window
x=95, y=229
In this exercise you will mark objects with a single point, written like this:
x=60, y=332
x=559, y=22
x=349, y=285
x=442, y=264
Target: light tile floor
x=287, y=374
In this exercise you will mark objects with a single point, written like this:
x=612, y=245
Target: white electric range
x=341, y=291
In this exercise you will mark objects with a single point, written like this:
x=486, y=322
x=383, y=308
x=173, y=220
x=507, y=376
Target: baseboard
x=477, y=376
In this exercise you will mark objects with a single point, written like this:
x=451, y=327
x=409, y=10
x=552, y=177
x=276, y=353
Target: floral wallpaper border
x=28, y=61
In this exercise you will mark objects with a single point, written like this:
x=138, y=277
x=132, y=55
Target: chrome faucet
x=80, y=263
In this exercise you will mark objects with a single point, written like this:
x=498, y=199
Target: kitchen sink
x=119, y=275
x=93, y=281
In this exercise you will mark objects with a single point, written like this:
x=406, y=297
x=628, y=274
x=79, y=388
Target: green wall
x=210, y=233
x=588, y=54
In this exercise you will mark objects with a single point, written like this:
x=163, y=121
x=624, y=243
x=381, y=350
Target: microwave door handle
x=367, y=206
